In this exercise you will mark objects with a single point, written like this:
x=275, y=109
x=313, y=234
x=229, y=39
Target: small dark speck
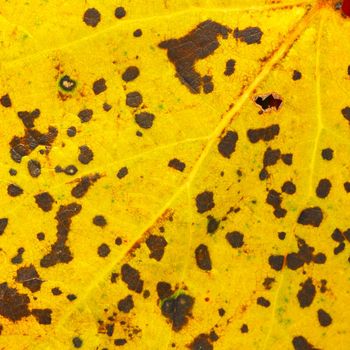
x=99, y=220
x=244, y=328
x=122, y=172
x=71, y=131
x=56, y=291
x=77, y=342
x=91, y=17
x=40, y=236
x=327, y=154
x=103, y=250
x=99, y=86
x=137, y=33
x=14, y=190
x=71, y=297
x=281, y=235
x=13, y=172
x=120, y=12
x=118, y=241
x=5, y=101
x=107, y=107
x=296, y=75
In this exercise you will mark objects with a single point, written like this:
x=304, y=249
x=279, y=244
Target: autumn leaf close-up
x=175, y=174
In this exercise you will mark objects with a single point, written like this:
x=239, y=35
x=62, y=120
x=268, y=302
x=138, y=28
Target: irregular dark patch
x=303, y=256
x=133, y=99
x=201, y=342
x=164, y=290
x=263, y=302
x=227, y=144
x=85, y=115
x=156, y=245
x=324, y=318
x=14, y=190
x=201, y=42
x=86, y=155
x=131, y=73
x=323, y=188
x=29, y=117
x=274, y=199
x=250, y=35
x=235, y=238
x=176, y=164
x=83, y=185
x=288, y=187
x=34, y=168
x=67, y=84
x=307, y=293
x=132, y=278
x=120, y=342
x=144, y=120
x=44, y=201
x=268, y=102
x=91, y=17
x=300, y=343
x=205, y=201
x=18, y=259
x=29, y=277
x=3, y=224
x=203, y=257
x=347, y=186
x=60, y=253
x=264, y=134
x=311, y=216
x=99, y=86
x=207, y=83
x=126, y=304
x=43, y=316
x=268, y=281
x=346, y=113
x=230, y=67
x=212, y=225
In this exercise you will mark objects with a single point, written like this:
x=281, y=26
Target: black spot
x=177, y=310
x=118, y=241
x=86, y=155
x=70, y=170
x=323, y=188
x=268, y=102
x=106, y=107
x=201, y=42
x=307, y=293
x=203, y=258
x=29, y=117
x=250, y=35
x=337, y=235
x=103, y=250
x=287, y=158
x=227, y=144
x=91, y=17
x=133, y=99
x=319, y=258
x=201, y=342
x=205, y=201
x=85, y=115
x=77, y=342
x=71, y=131
x=156, y=245
x=276, y=262
x=3, y=224
x=271, y=156
x=56, y=291
x=71, y=297
x=274, y=199
x=288, y=187
x=244, y=328
x=281, y=235
x=144, y=120
x=18, y=259
x=347, y=186
x=176, y=164
x=208, y=85
x=212, y=225
x=99, y=86
x=83, y=185
x=300, y=343
x=311, y=216
x=221, y=312
x=130, y=73
x=44, y=201
x=230, y=67
x=164, y=290
x=265, y=134
x=99, y=220
x=120, y=342
x=43, y=316
x=67, y=84
x=122, y=172
x=13, y=172
x=132, y=278
x=119, y=12
x=296, y=75
x=263, y=302
x=324, y=318
x=337, y=250
x=126, y=304
x=346, y=113
x=137, y=33
x=14, y=190
x=327, y=154
x=29, y=277
x=5, y=101
x=235, y=239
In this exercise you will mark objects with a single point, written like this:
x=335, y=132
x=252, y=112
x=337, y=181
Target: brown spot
x=119, y=12
x=99, y=220
x=23, y=146
x=346, y=113
x=164, y=290
x=208, y=85
x=137, y=33
x=288, y=187
x=201, y=342
x=13, y=305
x=268, y=102
x=86, y=155
x=99, y=86
x=144, y=120
x=201, y=42
x=296, y=75
x=60, y=253
x=176, y=164
x=203, y=258
x=34, y=168
x=227, y=144
x=132, y=278
x=84, y=115
x=300, y=343
x=212, y=225
x=235, y=239
x=263, y=302
x=3, y=224
x=274, y=199
x=307, y=293
x=131, y=73
x=177, y=309
x=271, y=156
x=324, y=318
x=311, y=216
x=84, y=184
x=347, y=186
x=205, y=201
x=126, y=304
x=303, y=256
x=28, y=117
x=14, y=190
x=276, y=262
x=268, y=281
x=29, y=277
x=18, y=259
x=120, y=342
x=250, y=35
x=230, y=67
x=43, y=316
x=5, y=101
x=122, y=172
x=323, y=188
x=156, y=245
x=133, y=99
x=103, y=250
x=327, y=154
x=91, y=17
x=265, y=134
x=44, y=201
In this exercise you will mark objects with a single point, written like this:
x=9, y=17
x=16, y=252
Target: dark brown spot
x=327, y=154
x=230, y=67
x=268, y=102
x=250, y=35
x=287, y=158
x=34, y=168
x=268, y=281
x=85, y=115
x=119, y=12
x=120, y=342
x=235, y=238
x=130, y=73
x=281, y=235
x=103, y=250
x=263, y=302
x=99, y=86
x=276, y=262
x=274, y=199
x=346, y=113
x=212, y=225
x=156, y=245
x=29, y=277
x=201, y=342
x=86, y=155
x=122, y=172
x=18, y=259
x=177, y=309
x=265, y=134
x=106, y=107
x=29, y=117
x=296, y=75
x=133, y=99
x=324, y=318
x=311, y=216
x=203, y=258
x=132, y=278
x=5, y=101
x=347, y=186
x=288, y=187
x=201, y=42
x=14, y=190
x=307, y=293
x=99, y=220
x=84, y=184
x=137, y=33
x=205, y=201
x=323, y=188
x=208, y=85
x=77, y=342
x=91, y=17
x=244, y=328
x=300, y=343
x=43, y=316
x=164, y=290
x=44, y=201
x=3, y=224
x=126, y=304
x=271, y=156
x=227, y=144
x=176, y=164
x=144, y=120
